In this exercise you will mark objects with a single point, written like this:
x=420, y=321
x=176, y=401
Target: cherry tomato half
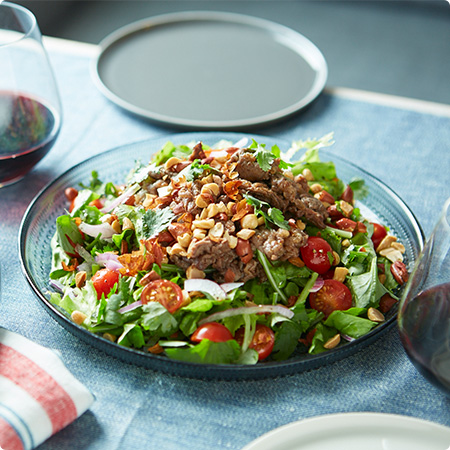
x=213, y=331
x=379, y=233
x=263, y=340
x=104, y=280
x=332, y=296
x=315, y=254
x=165, y=292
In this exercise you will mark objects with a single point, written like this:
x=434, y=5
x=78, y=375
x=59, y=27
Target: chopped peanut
x=78, y=317
x=340, y=273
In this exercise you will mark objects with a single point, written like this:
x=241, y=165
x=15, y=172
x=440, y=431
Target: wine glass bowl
x=424, y=313
x=30, y=107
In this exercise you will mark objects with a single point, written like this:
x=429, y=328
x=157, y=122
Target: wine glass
x=30, y=107
x=424, y=313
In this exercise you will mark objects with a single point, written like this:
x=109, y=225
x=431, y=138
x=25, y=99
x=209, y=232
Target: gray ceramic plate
x=39, y=223
x=210, y=70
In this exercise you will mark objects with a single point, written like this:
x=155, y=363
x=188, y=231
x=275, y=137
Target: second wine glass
x=424, y=314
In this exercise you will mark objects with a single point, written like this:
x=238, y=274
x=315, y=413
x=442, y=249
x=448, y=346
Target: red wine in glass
x=28, y=129
x=425, y=334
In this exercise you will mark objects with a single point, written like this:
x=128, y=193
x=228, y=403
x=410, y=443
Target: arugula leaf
x=273, y=215
x=84, y=300
x=364, y=286
x=322, y=334
x=262, y=258
x=208, y=352
x=68, y=234
x=286, y=340
x=151, y=222
x=132, y=336
x=359, y=188
x=188, y=323
x=169, y=150
x=84, y=197
x=348, y=322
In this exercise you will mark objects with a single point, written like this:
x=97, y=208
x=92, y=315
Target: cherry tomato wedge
x=379, y=233
x=165, y=292
x=316, y=254
x=104, y=280
x=263, y=340
x=333, y=296
x=213, y=331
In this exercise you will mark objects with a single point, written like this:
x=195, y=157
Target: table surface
x=403, y=142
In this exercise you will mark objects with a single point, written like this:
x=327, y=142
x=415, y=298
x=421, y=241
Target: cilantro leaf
x=273, y=215
x=207, y=352
x=195, y=170
x=151, y=222
x=263, y=156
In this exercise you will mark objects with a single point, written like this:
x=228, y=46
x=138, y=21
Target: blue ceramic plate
x=38, y=227
x=219, y=70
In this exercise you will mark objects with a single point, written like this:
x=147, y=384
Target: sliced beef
x=184, y=202
x=276, y=245
x=248, y=168
x=262, y=192
x=197, y=152
x=315, y=212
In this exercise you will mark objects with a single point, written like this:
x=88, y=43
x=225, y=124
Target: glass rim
x=27, y=12
x=445, y=213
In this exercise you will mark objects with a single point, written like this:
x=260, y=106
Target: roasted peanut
x=194, y=272
x=374, y=315
x=205, y=224
x=80, y=279
x=245, y=234
x=399, y=271
x=249, y=221
x=332, y=342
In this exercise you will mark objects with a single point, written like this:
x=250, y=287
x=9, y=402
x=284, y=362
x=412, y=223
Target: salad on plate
x=230, y=254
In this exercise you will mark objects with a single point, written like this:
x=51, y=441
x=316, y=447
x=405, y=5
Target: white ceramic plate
x=356, y=431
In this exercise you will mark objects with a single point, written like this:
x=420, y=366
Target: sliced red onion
x=84, y=254
x=130, y=307
x=205, y=286
x=218, y=153
x=228, y=287
x=248, y=310
x=241, y=143
x=317, y=285
x=109, y=260
x=347, y=338
x=105, y=229
x=57, y=285
x=84, y=266
x=122, y=198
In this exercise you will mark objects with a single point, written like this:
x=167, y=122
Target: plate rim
x=349, y=419
x=294, y=37
x=269, y=369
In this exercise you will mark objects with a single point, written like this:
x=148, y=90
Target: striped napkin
x=38, y=395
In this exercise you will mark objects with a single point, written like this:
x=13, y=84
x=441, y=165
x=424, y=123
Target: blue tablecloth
x=140, y=408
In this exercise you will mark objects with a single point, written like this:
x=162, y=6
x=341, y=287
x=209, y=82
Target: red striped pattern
x=8, y=437
x=55, y=401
